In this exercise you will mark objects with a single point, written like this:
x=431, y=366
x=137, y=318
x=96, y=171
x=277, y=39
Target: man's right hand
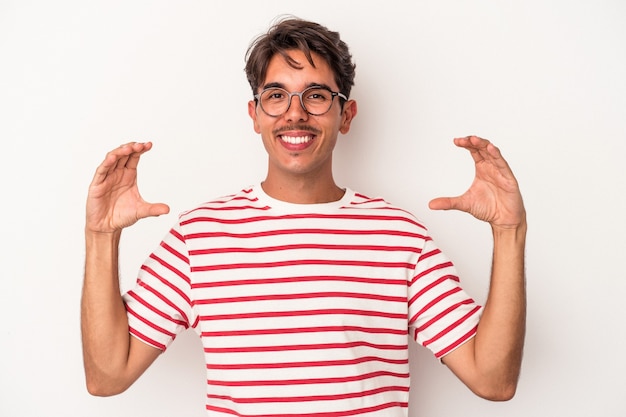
x=113, y=359
x=114, y=201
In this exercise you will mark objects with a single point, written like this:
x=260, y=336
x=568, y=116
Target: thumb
x=153, y=210
x=443, y=203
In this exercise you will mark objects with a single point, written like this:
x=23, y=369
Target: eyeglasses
x=315, y=101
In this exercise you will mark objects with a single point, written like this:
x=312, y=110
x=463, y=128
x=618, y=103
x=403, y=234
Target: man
x=303, y=292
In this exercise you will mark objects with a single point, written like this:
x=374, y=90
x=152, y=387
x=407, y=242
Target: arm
x=490, y=363
x=113, y=359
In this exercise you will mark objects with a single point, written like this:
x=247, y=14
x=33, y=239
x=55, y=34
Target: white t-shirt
x=303, y=309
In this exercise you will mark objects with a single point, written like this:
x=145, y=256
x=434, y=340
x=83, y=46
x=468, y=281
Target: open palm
x=114, y=201
x=494, y=195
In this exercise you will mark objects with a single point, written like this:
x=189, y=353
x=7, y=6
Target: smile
x=296, y=140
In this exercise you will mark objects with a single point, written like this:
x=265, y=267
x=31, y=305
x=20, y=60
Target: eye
x=274, y=95
x=318, y=95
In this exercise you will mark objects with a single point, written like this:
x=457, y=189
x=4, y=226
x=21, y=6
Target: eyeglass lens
x=276, y=101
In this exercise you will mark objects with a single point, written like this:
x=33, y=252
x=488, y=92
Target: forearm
x=500, y=336
x=103, y=316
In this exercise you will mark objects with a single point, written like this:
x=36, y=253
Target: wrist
x=516, y=232
x=518, y=226
x=98, y=238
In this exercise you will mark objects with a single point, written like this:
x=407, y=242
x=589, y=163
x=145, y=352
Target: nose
x=295, y=112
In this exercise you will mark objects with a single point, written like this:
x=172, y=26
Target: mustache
x=307, y=128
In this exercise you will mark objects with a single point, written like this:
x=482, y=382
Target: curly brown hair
x=294, y=33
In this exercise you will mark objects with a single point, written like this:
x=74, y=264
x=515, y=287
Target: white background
x=544, y=80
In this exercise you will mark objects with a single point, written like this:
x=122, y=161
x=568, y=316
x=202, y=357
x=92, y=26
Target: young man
x=303, y=292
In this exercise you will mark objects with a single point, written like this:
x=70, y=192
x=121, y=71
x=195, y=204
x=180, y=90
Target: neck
x=302, y=190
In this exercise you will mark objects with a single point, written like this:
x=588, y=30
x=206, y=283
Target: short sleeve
x=159, y=306
x=442, y=316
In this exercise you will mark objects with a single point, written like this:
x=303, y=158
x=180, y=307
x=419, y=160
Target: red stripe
x=147, y=339
x=359, y=394
x=304, y=246
x=321, y=329
x=149, y=324
x=169, y=284
x=430, y=286
x=170, y=268
x=306, y=231
x=165, y=300
x=358, y=216
x=462, y=340
x=299, y=296
x=259, y=281
x=451, y=327
x=429, y=254
x=174, y=252
x=177, y=235
x=303, y=313
x=230, y=208
x=348, y=413
x=333, y=380
x=433, y=302
x=299, y=262
x=443, y=314
x=284, y=365
x=369, y=199
x=317, y=346
x=430, y=270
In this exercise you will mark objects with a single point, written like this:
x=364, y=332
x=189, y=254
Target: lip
x=296, y=141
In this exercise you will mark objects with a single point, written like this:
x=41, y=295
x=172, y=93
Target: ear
x=348, y=113
x=253, y=115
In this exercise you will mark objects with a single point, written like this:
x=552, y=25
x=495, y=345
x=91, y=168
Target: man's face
x=299, y=144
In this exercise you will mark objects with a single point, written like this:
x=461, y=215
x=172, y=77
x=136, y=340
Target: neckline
x=285, y=206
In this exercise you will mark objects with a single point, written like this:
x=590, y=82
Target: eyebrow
x=281, y=85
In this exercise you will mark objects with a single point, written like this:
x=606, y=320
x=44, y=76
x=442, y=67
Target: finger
x=497, y=158
x=445, y=203
x=138, y=149
x=124, y=156
x=120, y=161
x=152, y=210
x=106, y=167
x=159, y=209
x=129, y=154
x=471, y=141
x=118, y=157
x=493, y=155
x=478, y=147
x=482, y=150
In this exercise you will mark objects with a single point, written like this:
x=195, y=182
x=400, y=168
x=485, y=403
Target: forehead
x=299, y=74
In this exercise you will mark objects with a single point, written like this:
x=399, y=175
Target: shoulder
x=243, y=201
x=379, y=208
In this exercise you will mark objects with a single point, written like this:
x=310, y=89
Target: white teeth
x=295, y=140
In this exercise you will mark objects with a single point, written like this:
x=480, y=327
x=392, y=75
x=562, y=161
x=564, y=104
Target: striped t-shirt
x=302, y=309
